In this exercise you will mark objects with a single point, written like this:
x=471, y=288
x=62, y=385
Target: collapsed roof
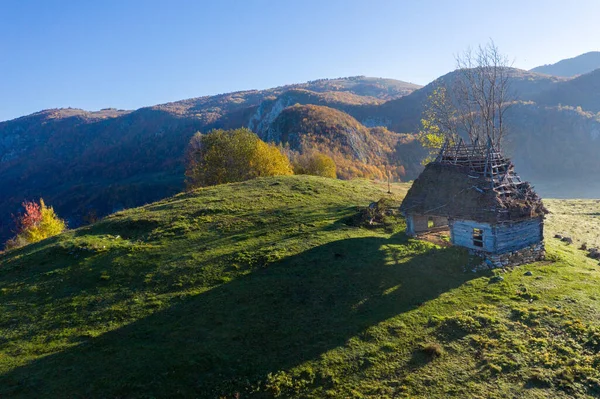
x=474, y=182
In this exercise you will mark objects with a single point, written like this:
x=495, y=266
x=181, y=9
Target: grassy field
x=579, y=219
x=267, y=289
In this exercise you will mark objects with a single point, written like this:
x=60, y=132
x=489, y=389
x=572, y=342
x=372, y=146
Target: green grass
x=579, y=219
x=264, y=289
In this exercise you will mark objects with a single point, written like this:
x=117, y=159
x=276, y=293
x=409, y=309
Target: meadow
x=270, y=288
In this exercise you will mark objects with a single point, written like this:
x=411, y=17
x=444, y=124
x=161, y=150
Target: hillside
x=582, y=91
x=267, y=289
x=570, y=67
x=356, y=150
x=211, y=108
x=97, y=163
x=550, y=143
x=404, y=114
x=546, y=140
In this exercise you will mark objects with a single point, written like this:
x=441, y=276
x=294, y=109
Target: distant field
x=578, y=219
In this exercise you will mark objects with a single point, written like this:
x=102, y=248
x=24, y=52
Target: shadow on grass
x=221, y=341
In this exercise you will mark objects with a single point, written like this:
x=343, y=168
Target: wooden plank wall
x=513, y=236
x=416, y=224
x=461, y=234
x=501, y=238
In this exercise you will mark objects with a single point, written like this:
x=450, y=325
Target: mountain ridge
x=571, y=67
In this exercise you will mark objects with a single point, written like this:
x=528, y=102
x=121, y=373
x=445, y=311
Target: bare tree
x=474, y=103
x=481, y=93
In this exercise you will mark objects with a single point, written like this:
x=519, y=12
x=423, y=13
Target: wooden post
x=457, y=150
x=487, y=159
x=442, y=150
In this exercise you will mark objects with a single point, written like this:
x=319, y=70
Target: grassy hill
x=268, y=289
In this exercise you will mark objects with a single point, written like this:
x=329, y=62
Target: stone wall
x=530, y=254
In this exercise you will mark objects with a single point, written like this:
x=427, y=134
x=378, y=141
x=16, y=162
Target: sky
x=128, y=54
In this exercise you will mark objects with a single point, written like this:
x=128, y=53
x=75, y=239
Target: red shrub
x=31, y=217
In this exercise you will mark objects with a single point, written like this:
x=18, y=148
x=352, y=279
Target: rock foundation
x=530, y=254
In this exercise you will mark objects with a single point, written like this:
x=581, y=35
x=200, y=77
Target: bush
x=316, y=164
x=381, y=213
x=226, y=156
x=432, y=350
x=35, y=224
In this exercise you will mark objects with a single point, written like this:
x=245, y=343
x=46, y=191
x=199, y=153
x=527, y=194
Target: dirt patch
x=441, y=238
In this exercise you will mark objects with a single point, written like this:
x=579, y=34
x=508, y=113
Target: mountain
x=570, y=67
x=582, y=91
x=358, y=151
x=271, y=288
x=95, y=163
x=546, y=140
x=89, y=164
x=404, y=114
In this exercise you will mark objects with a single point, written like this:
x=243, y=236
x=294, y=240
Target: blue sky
x=128, y=54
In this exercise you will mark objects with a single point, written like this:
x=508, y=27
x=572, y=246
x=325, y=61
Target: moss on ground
x=261, y=289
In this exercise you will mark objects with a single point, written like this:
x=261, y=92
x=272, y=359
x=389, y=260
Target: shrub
x=226, y=156
x=381, y=213
x=432, y=350
x=36, y=223
x=316, y=164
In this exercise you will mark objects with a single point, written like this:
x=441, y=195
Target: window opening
x=478, y=238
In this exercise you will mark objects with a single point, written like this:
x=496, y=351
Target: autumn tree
x=472, y=105
x=225, y=156
x=37, y=222
x=316, y=164
x=439, y=122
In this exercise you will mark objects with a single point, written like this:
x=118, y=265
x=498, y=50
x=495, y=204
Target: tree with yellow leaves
x=226, y=156
x=316, y=164
x=38, y=222
x=438, y=123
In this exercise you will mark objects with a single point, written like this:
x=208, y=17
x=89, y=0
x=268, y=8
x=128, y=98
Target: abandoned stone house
x=473, y=191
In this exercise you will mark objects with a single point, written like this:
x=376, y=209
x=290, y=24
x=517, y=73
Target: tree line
x=228, y=156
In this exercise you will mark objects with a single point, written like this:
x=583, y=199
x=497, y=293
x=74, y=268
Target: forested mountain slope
x=100, y=162
x=582, y=91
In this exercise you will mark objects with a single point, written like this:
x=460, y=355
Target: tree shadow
x=225, y=339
